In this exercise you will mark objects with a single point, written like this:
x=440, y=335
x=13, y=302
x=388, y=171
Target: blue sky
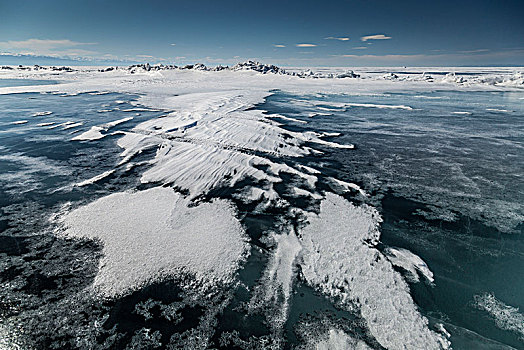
x=287, y=33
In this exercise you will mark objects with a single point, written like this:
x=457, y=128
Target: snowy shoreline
x=505, y=77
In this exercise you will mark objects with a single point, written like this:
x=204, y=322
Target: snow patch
x=41, y=114
x=410, y=262
x=305, y=193
x=506, y=317
x=153, y=234
x=95, y=133
x=277, y=281
x=215, y=141
x=371, y=105
x=348, y=186
x=339, y=258
x=498, y=110
x=73, y=125
x=95, y=178
x=337, y=339
x=279, y=116
x=337, y=106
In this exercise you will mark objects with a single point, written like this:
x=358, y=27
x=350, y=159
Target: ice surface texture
x=152, y=234
x=95, y=133
x=335, y=339
x=339, y=258
x=212, y=137
x=505, y=316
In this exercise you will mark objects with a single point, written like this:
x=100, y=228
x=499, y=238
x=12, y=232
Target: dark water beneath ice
x=449, y=187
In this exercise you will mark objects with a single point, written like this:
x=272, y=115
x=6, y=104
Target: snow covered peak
x=258, y=67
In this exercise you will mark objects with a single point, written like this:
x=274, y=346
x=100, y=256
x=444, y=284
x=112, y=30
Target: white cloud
x=306, y=45
x=437, y=57
x=387, y=57
x=46, y=47
x=172, y=44
x=360, y=48
x=41, y=43
x=279, y=45
x=66, y=49
x=337, y=38
x=375, y=37
x=475, y=51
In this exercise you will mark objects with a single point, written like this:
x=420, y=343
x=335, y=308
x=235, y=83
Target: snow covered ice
x=152, y=234
x=339, y=258
x=256, y=206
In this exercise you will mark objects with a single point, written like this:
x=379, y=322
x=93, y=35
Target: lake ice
x=234, y=209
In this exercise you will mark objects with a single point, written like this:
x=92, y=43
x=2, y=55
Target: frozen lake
x=376, y=218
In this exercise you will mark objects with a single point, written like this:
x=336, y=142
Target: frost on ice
x=99, y=131
x=153, y=234
x=213, y=137
x=216, y=141
x=505, y=316
x=276, y=287
x=340, y=260
x=95, y=178
x=410, y=262
x=337, y=339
